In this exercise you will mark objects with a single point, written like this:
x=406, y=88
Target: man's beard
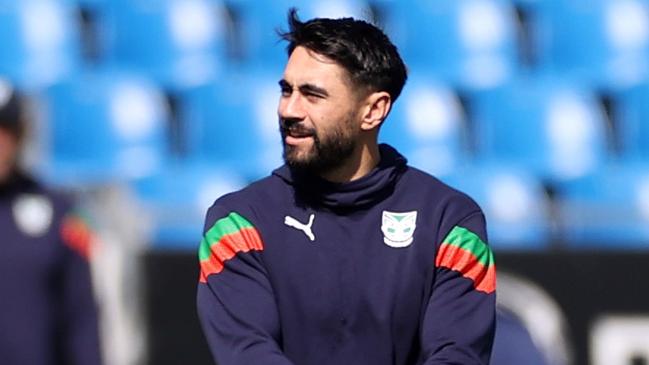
x=327, y=153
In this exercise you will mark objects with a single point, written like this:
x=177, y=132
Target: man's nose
x=291, y=108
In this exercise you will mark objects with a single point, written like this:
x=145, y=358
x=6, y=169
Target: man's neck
x=362, y=161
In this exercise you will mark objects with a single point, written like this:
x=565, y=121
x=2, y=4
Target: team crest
x=33, y=214
x=398, y=228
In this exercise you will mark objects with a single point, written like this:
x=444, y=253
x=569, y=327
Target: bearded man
x=345, y=255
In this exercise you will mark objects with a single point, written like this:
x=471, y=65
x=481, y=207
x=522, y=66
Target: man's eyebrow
x=304, y=88
x=313, y=89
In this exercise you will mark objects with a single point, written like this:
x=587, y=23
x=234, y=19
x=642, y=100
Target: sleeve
x=235, y=301
x=80, y=332
x=459, y=322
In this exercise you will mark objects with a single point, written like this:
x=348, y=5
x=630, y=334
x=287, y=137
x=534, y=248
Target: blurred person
x=47, y=308
x=513, y=344
x=345, y=254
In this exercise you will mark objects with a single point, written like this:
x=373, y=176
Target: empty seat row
x=555, y=129
x=550, y=126
x=472, y=44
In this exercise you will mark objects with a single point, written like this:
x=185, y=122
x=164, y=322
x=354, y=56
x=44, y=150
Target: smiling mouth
x=297, y=131
x=296, y=139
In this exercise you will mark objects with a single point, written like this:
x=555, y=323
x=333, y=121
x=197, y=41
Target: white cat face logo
x=398, y=228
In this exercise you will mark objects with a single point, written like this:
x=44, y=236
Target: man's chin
x=296, y=158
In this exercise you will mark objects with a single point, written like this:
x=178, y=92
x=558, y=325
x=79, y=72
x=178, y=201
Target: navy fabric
x=513, y=344
x=47, y=310
x=347, y=297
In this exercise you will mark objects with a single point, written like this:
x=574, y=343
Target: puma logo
x=306, y=228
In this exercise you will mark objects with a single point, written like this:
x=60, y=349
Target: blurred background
x=148, y=110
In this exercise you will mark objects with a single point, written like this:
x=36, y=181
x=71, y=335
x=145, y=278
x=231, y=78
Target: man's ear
x=375, y=109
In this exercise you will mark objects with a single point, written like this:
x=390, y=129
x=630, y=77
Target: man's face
x=318, y=113
x=8, y=153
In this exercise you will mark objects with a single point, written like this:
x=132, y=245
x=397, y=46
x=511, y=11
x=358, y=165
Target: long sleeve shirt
x=47, y=308
x=390, y=269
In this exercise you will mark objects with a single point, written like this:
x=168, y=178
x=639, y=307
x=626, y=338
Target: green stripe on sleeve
x=467, y=240
x=230, y=224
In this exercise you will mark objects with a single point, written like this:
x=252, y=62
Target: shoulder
x=434, y=191
x=442, y=206
x=32, y=193
x=52, y=214
x=249, y=202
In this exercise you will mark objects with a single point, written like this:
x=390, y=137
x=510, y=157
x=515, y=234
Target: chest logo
x=33, y=214
x=306, y=228
x=398, y=228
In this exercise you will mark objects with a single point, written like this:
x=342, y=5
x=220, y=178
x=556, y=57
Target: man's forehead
x=307, y=67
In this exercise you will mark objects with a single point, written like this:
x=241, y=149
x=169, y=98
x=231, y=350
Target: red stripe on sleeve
x=245, y=240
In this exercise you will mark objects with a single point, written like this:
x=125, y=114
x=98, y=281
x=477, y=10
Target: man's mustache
x=294, y=127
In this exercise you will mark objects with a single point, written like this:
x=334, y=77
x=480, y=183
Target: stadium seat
x=471, y=43
x=515, y=204
x=427, y=125
x=553, y=128
x=607, y=209
x=604, y=42
x=176, y=199
x=632, y=123
x=88, y=3
x=104, y=126
x=257, y=23
x=180, y=43
x=233, y=123
x=40, y=42
x=528, y=4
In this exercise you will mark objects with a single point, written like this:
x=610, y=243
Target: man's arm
x=459, y=323
x=235, y=300
x=80, y=337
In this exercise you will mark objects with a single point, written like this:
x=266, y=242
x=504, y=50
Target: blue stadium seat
x=605, y=42
x=607, y=209
x=40, y=42
x=632, y=123
x=180, y=43
x=427, y=124
x=88, y=3
x=469, y=42
x=529, y=4
x=233, y=123
x=515, y=204
x=104, y=126
x=177, y=198
x=258, y=21
x=358, y=9
x=552, y=128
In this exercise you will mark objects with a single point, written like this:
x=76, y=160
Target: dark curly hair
x=368, y=55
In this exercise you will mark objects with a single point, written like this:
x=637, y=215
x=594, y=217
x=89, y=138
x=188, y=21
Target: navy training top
x=47, y=309
x=389, y=269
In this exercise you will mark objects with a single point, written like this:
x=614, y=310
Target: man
x=345, y=255
x=47, y=309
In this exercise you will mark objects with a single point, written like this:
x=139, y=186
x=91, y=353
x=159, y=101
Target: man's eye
x=285, y=91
